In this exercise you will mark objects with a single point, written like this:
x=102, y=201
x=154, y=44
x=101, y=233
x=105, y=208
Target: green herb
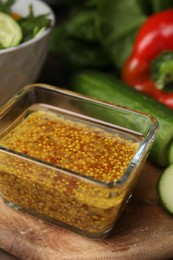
x=5, y=6
x=32, y=25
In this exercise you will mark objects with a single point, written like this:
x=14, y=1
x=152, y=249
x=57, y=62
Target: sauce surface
x=72, y=145
x=66, y=198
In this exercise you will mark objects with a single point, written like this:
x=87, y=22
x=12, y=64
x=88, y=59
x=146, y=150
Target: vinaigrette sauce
x=73, y=145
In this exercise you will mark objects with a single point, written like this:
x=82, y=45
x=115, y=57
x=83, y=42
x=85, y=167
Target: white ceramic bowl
x=21, y=65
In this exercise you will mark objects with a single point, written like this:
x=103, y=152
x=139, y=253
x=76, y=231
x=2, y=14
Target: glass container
x=71, y=160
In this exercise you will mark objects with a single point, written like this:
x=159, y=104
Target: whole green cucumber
x=108, y=88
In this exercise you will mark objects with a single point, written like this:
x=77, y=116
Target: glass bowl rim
x=134, y=161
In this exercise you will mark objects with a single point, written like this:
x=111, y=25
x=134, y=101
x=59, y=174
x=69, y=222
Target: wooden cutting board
x=144, y=231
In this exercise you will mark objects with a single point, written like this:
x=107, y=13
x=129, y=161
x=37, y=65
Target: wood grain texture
x=144, y=231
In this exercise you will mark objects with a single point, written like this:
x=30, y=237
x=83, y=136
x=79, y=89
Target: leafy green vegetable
x=99, y=33
x=118, y=23
x=32, y=25
x=76, y=41
x=5, y=6
x=82, y=26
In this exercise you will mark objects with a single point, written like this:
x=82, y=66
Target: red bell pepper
x=150, y=65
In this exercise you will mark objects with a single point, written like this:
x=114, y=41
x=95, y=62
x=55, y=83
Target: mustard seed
x=83, y=149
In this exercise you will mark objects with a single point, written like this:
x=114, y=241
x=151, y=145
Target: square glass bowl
x=71, y=160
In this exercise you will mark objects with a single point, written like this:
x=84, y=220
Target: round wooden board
x=144, y=231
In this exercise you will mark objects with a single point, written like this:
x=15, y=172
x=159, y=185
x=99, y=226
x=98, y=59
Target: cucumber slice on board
x=10, y=31
x=165, y=188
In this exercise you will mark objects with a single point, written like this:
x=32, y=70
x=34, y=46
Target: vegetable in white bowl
x=21, y=65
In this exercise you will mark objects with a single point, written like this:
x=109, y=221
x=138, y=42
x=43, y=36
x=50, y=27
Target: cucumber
x=10, y=31
x=107, y=88
x=165, y=190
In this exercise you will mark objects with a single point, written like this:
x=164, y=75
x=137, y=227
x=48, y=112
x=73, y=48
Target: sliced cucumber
x=165, y=188
x=10, y=31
